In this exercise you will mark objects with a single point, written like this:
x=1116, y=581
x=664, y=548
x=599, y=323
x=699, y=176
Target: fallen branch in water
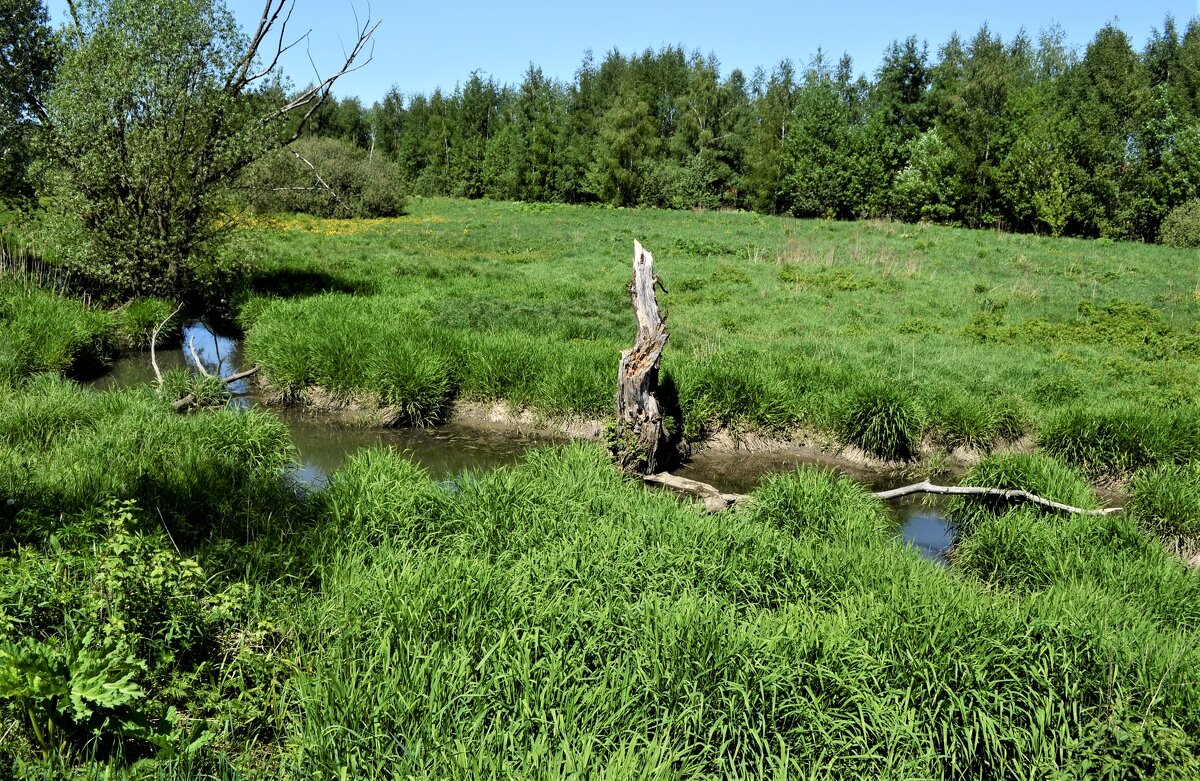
x=190, y=399
x=715, y=500
x=926, y=487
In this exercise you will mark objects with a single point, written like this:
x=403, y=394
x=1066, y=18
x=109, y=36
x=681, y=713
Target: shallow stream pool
x=449, y=450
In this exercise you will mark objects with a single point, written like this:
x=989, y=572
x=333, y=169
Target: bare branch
x=240, y=375
x=187, y=401
x=154, y=342
x=196, y=358
x=315, y=95
x=321, y=181
x=926, y=487
x=714, y=499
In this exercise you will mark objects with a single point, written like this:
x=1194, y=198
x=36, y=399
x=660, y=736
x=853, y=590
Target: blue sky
x=423, y=45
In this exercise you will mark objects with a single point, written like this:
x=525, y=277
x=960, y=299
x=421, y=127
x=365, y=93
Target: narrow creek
x=451, y=449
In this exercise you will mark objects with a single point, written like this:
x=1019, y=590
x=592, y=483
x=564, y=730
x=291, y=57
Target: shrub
x=1181, y=227
x=350, y=184
x=881, y=419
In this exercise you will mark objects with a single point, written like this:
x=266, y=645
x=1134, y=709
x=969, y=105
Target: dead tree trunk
x=641, y=439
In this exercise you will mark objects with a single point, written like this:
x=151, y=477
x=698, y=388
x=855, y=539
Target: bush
x=883, y=420
x=364, y=187
x=1181, y=227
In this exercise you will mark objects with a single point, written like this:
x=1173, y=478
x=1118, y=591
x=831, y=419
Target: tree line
x=1028, y=135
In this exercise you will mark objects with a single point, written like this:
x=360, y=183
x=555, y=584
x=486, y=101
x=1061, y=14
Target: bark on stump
x=641, y=439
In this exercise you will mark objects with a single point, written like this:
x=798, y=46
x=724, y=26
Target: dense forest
x=1028, y=135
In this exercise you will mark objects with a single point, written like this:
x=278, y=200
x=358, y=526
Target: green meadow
x=880, y=334
x=172, y=606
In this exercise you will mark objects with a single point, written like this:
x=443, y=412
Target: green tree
x=774, y=102
x=624, y=144
x=158, y=105
x=27, y=60
x=829, y=173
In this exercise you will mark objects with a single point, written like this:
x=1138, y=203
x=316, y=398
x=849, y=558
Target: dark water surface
x=450, y=450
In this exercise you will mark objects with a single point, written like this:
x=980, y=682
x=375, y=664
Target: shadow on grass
x=300, y=283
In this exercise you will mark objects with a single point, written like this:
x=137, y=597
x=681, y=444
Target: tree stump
x=641, y=438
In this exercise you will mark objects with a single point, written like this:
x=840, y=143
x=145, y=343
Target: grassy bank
x=171, y=607
x=553, y=620
x=884, y=334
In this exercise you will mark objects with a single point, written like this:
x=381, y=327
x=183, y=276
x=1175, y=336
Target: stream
x=451, y=449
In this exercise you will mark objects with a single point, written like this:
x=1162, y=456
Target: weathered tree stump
x=641, y=439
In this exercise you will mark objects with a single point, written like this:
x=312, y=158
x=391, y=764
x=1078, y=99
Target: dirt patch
x=501, y=416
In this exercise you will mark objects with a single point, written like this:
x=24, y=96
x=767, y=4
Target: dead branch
x=154, y=343
x=714, y=500
x=187, y=401
x=321, y=181
x=240, y=375
x=926, y=487
x=316, y=94
x=196, y=358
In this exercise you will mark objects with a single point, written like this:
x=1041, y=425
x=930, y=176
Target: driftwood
x=715, y=500
x=641, y=437
x=926, y=487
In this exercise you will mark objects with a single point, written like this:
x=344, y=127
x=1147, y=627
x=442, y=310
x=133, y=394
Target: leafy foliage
x=1181, y=227
x=324, y=177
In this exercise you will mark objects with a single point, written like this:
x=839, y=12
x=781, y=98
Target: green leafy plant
x=1181, y=227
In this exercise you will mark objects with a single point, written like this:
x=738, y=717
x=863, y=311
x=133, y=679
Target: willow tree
x=157, y=106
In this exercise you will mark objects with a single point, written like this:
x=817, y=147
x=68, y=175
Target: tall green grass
x=44, y=331
x=552, y=621
x=65, y=449
x=775, y=323
x=1165, y=500
x=1120, y=439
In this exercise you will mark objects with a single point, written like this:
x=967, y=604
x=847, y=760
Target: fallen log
x=926, y=487
x=715, y=500
x=641, y=438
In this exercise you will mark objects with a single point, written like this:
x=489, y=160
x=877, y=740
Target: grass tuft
x=882, y=419
x=1165, y=500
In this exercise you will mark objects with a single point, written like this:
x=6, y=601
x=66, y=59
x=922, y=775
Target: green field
x=172, y=607
x=976, y=337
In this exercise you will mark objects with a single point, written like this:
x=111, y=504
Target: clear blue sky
x=423, y=45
